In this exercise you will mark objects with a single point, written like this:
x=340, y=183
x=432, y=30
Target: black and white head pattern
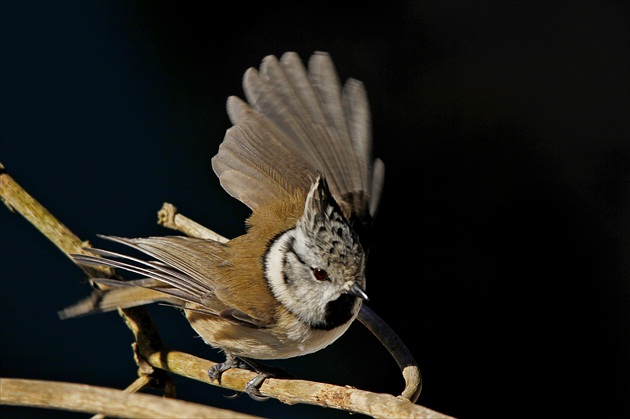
x=315, y=268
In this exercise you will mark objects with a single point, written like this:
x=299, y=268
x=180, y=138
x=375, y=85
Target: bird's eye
x=320, y=274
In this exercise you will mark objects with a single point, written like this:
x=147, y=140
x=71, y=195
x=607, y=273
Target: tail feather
x=112, y=299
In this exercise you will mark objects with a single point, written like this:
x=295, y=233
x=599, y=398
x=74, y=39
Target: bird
x=298, y=154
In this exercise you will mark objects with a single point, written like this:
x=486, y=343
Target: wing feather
x=256, y=161
x=357, y=108
x=346, y=174
x=298, y=123
x=185, y=271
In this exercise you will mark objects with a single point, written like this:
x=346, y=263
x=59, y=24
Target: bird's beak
x=357, y=291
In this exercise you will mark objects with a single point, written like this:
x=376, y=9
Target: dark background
x=500, y=244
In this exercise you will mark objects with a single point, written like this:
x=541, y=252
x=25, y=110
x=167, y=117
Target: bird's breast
x=287, y=338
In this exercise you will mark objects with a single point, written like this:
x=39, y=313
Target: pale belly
x=279, y=342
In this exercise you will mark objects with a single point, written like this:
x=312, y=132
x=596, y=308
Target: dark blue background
x=498, y=257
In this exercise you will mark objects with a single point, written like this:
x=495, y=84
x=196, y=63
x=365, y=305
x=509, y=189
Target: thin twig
x=396, y=347
x=18, y=200
x=170, y=218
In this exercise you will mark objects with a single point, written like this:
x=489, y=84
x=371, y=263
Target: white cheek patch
x=274, y=267
x=305, y=300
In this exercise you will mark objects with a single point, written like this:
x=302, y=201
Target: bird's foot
x=217, y=370
x=252, y=388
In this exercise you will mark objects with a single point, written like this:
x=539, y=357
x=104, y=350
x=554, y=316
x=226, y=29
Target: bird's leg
x=253, y=385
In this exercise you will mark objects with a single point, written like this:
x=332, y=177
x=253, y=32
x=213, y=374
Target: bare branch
x=295, y=391
x=111, y=402
x=396, y=347
x=170, y=218
x=18, y=200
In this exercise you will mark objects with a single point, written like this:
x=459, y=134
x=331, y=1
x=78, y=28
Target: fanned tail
x=170, y=278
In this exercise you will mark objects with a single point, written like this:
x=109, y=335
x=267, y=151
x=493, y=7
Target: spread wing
x=298, y=123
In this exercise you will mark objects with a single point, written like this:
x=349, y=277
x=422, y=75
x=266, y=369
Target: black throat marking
x=338, y=312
